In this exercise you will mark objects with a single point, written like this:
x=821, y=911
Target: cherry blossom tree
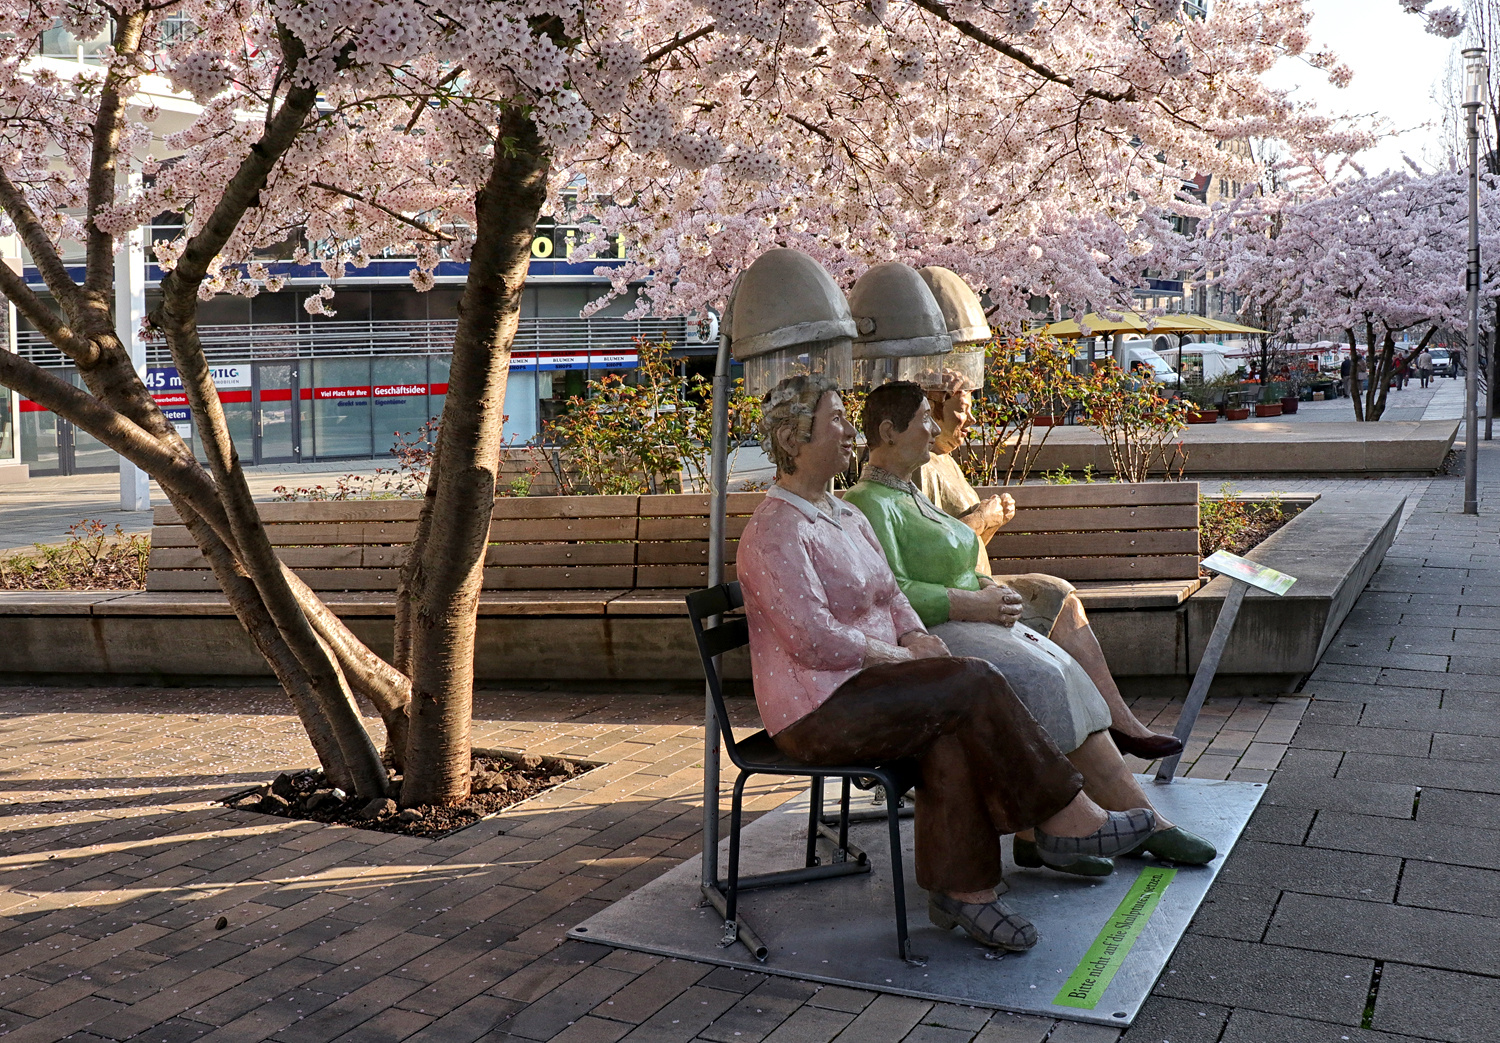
x=1036, y=147
x=1370, y=258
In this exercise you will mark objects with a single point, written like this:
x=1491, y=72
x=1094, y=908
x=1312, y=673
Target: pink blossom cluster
x=1387, y=253
x=701, y=132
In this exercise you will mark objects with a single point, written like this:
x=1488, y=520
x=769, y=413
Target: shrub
x=91, y=558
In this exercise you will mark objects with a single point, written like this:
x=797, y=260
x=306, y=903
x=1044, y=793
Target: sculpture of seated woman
x=933, y=556
x=845, y=673
x=1048, y=604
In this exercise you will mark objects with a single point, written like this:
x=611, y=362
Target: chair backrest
x=714, y=640
x=1100, y=531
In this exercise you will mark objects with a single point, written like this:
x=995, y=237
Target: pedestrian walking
x=1424, y=367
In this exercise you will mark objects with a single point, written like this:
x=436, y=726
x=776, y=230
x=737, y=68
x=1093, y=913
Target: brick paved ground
x=1363, y=902
x=116, y=865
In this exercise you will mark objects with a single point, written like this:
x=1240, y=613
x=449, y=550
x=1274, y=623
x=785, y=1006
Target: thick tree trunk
x=1355, y=394
x=442, y=577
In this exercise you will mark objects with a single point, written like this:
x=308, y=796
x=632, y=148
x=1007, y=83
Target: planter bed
x=1152, y=627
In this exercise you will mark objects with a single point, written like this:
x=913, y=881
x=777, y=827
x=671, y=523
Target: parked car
x=1442, y=362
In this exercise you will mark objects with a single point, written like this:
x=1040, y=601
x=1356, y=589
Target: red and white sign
x=341, y=393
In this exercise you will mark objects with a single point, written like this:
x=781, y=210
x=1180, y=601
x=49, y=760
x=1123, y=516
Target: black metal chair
x=758, y=755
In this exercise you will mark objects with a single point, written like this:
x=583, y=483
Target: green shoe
x=1176, y=845
x=1027, y=855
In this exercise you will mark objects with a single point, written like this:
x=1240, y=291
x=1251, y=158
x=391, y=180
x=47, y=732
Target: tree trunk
x=441, y=580
x=1354, y=390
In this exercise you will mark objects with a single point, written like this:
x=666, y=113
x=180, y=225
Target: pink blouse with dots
x=816, y=589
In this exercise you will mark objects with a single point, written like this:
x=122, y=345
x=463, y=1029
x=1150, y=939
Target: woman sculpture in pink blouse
x=845, y=673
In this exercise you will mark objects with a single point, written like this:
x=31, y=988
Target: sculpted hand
x=1011, y=607
x=1007, y=508
x=923, y=645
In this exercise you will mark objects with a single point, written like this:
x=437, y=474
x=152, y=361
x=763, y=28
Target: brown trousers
x=987, y=767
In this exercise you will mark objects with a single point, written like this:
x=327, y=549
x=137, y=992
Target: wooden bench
x=1124, y=545
x=581, y=588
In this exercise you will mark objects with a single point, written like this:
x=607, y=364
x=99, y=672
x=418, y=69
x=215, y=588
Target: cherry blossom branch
x=677, y=43
x=421, y=226
x=43, y=253
x=1013, y=52
x=99, y=265
x=57, y=332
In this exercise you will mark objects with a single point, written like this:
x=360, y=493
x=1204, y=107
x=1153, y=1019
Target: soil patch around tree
x=498, y=780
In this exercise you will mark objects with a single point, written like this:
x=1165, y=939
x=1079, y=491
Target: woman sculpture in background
x=1048, y=603
x=933, y=556
x=845, y=673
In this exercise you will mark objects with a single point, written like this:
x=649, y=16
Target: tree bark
x=443, y=574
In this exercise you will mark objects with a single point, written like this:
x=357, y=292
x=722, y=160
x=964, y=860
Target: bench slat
x=560, y=579
x=1097, y=494
x=1173, y=566
x=693, y=505
x=1105, y=519
x=1093, y=544
x=537, y=530
x=681, y=553
x=688, y=576
x=688, y=528
x=540, y=507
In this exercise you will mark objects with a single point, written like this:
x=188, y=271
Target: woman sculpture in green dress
x=933, y=556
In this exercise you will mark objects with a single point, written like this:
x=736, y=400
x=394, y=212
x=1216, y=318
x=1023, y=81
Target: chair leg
x=732, y=881
x=898, y=880
x=844, y=821
x=814, y=817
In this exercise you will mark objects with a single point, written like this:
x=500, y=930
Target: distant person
x=1424, y=367
x=1346, y=369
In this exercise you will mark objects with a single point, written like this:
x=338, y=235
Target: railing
x=253, y=343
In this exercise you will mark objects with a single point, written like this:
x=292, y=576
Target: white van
x=1200, y=362
x=1139, y=353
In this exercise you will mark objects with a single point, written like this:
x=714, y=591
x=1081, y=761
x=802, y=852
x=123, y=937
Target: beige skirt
x=1042, y=598
x=1048, y=681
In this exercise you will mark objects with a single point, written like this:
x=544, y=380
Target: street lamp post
x=1476, y=81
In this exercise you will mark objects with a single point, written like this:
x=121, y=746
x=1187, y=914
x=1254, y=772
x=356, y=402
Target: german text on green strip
x=1098, y=966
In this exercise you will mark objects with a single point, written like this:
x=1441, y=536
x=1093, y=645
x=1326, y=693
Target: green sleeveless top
x=929, y=552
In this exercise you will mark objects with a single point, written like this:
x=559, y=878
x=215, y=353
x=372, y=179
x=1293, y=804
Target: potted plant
x=1270, y=402
x=1204, y=397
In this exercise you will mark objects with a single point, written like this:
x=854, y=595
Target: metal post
x=1473, y=101
x=1207, y=667
x=1489, y=390
x=130, y=309
x=718, y=494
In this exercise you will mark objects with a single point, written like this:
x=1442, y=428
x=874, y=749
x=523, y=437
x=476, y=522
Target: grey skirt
x=1051, y=683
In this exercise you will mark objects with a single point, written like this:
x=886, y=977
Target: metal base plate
x=843, y=931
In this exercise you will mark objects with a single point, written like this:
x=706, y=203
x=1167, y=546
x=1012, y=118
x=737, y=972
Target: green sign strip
x=1096, y=970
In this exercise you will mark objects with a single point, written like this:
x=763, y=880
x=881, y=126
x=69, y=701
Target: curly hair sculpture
x=791, y=405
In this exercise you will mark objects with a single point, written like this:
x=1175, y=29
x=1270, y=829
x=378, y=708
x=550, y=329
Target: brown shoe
x=1150, y=747
x=990, y=924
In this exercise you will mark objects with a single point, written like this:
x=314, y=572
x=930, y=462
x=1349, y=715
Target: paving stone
x=731, y=979
x=1465, y=748
x=1277, y=825
x=817, y=1025
x=1427, y=937
x=836, y=997
x=1374, y=694
x=954, y=1016
x=685, y=1017
x=1313, y=870
x=1235, y=911
x=564, y=1005
x=1364, y=739
x=1078, y=1032
x=1164, y=1020
x=1417, y=840
x=1250, y=1026
x=887, y=1020
x=1273, y=978
x=938, y=1034
x=1475, y=776
x=1459, y=889
x=392, y=1025
x=1448, y=721
x=1015, y=1028
x=651, y=991
x=1391, y=799
x=1457, y=808
x=1436, y=1004
x=475, y=1018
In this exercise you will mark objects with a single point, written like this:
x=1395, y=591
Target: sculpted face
x=905, y=451
x=832, y=443
x=954, y=421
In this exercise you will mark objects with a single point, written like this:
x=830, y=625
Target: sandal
x=990, y=924
x=1122, y=830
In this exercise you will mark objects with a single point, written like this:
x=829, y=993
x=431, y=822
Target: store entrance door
x=278, y=435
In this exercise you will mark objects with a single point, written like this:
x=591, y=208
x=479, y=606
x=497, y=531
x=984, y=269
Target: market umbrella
x=1130, y=322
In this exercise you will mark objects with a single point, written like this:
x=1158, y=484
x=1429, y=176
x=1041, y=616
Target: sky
x=1396, y=64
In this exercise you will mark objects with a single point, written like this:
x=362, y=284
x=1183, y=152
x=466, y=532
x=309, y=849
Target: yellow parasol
x=1130, y=322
